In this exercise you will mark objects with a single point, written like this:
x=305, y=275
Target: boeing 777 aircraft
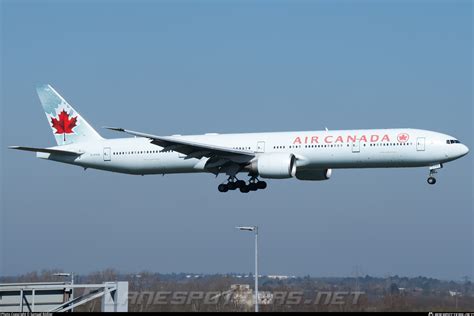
x=310, y=155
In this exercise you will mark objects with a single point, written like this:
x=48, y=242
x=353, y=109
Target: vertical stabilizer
x=67, y=124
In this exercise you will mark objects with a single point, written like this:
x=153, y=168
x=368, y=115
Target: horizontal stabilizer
x=46, y=150
x=118, y=129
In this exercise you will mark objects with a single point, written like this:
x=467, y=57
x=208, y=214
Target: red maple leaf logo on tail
x=63, y=124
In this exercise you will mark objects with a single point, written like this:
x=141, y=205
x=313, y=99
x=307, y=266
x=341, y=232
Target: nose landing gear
x=433, y=170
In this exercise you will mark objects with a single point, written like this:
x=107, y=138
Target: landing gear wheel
x=232, y=185
x=431, y=180
x=261, y=185
x=240, y=183
x=244, y=189
x=222, y=188
x=253, y=186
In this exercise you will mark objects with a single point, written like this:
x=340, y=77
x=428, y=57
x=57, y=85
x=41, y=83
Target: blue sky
x=182, y=67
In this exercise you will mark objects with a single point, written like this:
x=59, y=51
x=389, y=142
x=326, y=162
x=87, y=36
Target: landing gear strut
x=433, y=170
x=233, y=183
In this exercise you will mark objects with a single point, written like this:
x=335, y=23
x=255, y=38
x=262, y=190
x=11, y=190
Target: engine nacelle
x=314, y=174
x=275, y=165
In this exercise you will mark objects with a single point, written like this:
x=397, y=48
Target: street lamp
x=63, y=274
x=255, y=230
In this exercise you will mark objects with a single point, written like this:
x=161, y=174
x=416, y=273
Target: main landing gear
x=233, y=184
x=433, y=170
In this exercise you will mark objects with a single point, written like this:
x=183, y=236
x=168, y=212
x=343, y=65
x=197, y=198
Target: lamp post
x=255, y=230
x=63, y=274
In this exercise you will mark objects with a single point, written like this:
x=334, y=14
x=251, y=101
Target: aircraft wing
x=193, y=149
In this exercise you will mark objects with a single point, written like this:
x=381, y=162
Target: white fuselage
x=372, y=148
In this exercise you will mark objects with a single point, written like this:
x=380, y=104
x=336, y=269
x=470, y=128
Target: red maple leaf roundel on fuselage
x=403, y=137
x=63, y=124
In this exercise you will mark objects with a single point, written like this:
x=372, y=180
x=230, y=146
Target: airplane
x=304, y=155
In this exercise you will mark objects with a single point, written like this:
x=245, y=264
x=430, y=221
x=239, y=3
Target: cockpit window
x=453, y=141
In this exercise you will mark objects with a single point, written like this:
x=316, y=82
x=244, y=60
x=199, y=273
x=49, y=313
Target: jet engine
x=314, y=174
x=274, y=165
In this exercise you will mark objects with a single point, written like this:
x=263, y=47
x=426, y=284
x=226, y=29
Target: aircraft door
x=420, y=144
x=107, y=156
x=260, y=147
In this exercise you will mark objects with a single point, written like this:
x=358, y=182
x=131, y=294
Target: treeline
x=150, y=291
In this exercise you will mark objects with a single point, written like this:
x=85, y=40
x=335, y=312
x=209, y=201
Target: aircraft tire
x=261, y=185
x=253, y=187
x=222, y=188
x=240, y=183
x=244, y=189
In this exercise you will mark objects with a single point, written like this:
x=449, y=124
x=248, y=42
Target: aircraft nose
x=464, y=150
